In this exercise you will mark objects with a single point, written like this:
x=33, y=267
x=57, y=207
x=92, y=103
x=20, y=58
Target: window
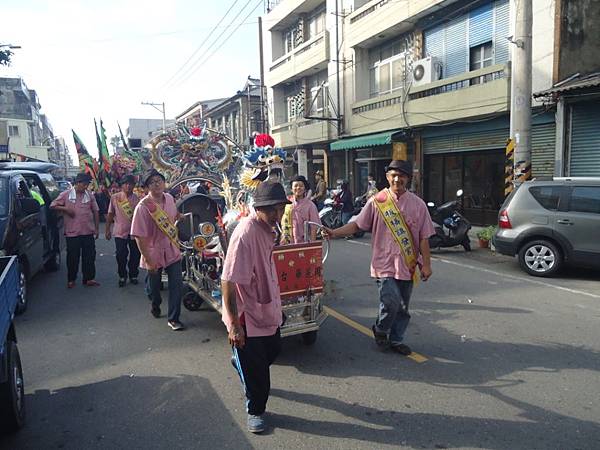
x=387, y=68
x=294, y=101
x=481, y=56
x=316, y=22
x=547, y=196
x=585, y=199
x=318, y=85
x=13, y=130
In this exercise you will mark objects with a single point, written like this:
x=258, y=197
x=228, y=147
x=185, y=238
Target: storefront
x=472, y=158
x=356, y=158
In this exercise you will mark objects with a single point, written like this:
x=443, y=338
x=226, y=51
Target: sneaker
x=91, y=283
x=403, y=349
x=256, y=424
x=381, y=338
x=176, y=325
x=122, y=282
x=133, y=280
x=155, y=311
x=70, y=284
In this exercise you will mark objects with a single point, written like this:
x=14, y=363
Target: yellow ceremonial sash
x=286, y=225
x=395, y=222
x=125, y=207
x=162, y=221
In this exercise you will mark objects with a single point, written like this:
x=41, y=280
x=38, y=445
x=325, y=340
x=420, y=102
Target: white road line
x=514, y=277
x=359, y=243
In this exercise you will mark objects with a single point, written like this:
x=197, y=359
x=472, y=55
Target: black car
x=28, y=228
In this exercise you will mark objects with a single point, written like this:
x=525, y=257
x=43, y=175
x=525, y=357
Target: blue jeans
x=346, y=216
x=393, y=316
x=175, y=284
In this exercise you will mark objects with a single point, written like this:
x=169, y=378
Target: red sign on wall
x=300, y=268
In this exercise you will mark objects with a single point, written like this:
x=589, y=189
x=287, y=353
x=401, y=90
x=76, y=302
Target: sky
x=90, y=59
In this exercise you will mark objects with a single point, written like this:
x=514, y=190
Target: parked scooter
x=451, y=227
x=331, y=213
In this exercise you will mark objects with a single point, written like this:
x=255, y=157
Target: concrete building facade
x=140, y=131
x=427, y=80
x=23, y=128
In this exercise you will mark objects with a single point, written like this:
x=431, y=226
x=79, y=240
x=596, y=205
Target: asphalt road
x=504, y=361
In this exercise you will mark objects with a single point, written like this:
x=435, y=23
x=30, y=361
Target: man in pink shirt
x=80, y=211
x=388, y=264
x=120, y=211
x=251, y=300
x=159, y=252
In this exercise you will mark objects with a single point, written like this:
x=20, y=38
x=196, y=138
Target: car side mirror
x=30, y=206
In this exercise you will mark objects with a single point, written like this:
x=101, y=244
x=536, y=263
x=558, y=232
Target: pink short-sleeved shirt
x=122, y=224
x=302, y=210
x=249, y=264
x=387, y=259
x=162, y=251
x=83, y=223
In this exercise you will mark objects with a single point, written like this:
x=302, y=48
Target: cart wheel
x=309, y=338
x=12, y=392
x=192, y=301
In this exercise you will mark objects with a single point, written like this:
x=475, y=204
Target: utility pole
x=263, y=113
x=520, y=110
x=161, y=110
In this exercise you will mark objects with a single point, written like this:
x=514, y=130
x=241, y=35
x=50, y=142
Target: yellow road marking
x=364, y=330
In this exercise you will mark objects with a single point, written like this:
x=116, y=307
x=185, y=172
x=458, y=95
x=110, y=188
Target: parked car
x=28, y=230
x=12, y=389
x=43, y=169
x=551, y=223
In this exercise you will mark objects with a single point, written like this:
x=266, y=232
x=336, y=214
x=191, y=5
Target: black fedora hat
x=127, y=179
x=269, y=194
x=83, y=177
x=149, y=174
x=400, y=165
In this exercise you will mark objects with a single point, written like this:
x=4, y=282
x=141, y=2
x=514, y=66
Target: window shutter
x=481, y=25
x=501, y=31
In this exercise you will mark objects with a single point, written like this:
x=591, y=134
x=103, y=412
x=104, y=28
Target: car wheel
x=12, y=392
x=22, y=295
x=53, y=263
x=540, y=258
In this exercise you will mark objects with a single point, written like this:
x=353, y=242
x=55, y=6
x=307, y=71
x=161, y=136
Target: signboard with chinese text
x=299, y=268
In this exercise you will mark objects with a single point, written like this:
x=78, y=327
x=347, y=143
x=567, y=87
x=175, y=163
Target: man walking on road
x=251, y=300
x=400, y=225
x=80, y=211
x=153, y=227
x=120, y=211
x=320, y=190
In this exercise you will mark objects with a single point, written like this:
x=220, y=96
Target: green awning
x=370, y=140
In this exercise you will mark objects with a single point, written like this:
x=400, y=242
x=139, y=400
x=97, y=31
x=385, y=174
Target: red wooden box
x=299, y=268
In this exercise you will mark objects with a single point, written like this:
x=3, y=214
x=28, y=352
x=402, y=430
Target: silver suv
x=549, y=223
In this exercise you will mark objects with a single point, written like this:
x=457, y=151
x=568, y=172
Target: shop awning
x=370, y=140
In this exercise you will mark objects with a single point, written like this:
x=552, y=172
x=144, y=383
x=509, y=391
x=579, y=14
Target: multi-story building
x=21, y=127
x=237, y=116
x=140, y=131
x=427, y=80
x=194, y=115
x=576, y=92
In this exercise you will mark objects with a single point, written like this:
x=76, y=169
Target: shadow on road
x=138, y=412
x=539, y=428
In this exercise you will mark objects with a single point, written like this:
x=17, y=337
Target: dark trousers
x=84, y=246
x=252, y=363
x=175, y=283
x=127, y=248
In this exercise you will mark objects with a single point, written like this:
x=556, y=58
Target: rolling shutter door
x=584, y=158
x=484, y=140
x=543, y=141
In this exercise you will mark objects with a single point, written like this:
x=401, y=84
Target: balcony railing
x=368, y=11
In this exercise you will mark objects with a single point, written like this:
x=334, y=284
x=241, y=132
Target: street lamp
x=161, y=110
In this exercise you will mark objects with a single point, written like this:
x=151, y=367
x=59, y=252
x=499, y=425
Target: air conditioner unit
x=426, y=70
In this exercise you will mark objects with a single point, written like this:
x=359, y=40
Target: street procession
x=386, y=239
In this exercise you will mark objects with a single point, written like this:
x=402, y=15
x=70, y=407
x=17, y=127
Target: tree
x=5, y=57
x=114, y=142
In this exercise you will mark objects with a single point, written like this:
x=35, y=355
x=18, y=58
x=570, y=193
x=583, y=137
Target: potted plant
x=485, y=236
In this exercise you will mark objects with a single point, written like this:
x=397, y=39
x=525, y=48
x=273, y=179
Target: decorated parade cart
x=213, y=180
